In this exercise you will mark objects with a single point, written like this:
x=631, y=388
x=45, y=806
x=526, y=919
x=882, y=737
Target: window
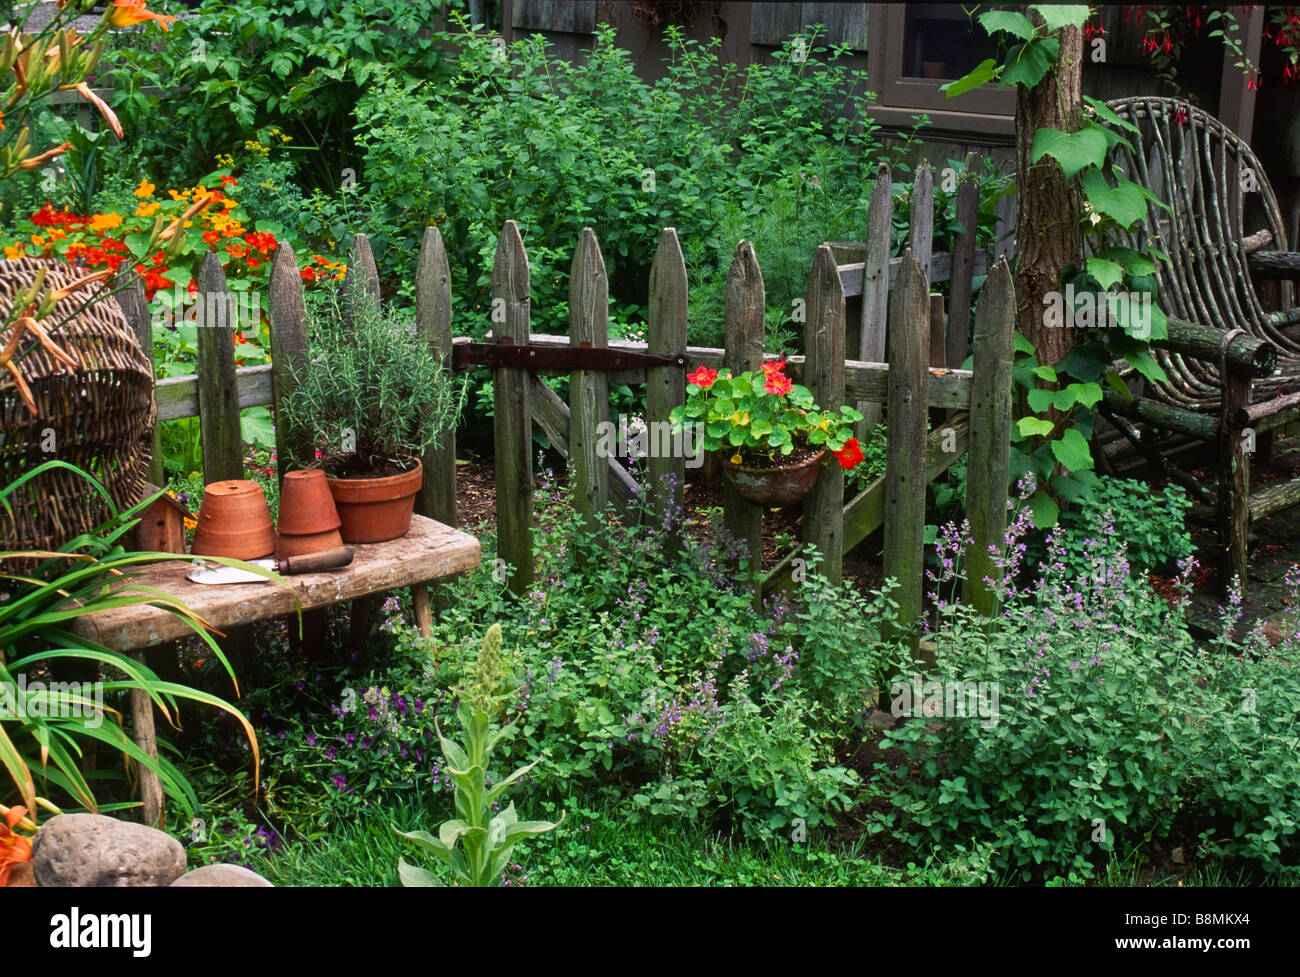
x=918, y=47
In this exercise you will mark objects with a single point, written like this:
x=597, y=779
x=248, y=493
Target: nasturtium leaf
x=1107, y=273
x=1031, y=426
x=1073, y=150
x=1071, y=450
x=1009, y=21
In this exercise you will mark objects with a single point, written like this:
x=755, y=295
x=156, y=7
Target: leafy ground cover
x=723, y=747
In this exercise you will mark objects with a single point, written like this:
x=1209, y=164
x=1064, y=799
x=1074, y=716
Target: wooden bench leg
x=151, y=794
x=363, y=608
x=423, y=612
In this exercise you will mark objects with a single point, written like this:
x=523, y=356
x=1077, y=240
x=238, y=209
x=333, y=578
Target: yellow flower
x=147, y=210
x=145, y=189
x=740, y=418
x=735, y=459
x=14, y=251
x=225, y=160
x=105, y=222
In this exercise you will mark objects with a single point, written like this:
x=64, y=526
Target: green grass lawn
x=602, y=848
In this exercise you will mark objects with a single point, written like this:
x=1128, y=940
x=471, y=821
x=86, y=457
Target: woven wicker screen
x=99, y=418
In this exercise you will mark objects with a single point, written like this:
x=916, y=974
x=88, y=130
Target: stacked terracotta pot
x=309, y=520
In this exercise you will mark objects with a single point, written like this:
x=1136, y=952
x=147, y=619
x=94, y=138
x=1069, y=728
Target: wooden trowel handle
x=315, y=562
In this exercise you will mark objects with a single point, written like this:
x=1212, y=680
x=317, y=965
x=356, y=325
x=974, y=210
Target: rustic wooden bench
x=428, y=552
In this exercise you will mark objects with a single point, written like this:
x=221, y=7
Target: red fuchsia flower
x=778, y=383
x=776, y=366
x=1253, y=81
x=703, y=377
x=1180, y=117
x=850, y=456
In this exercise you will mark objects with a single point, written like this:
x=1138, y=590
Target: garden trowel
x=312, y=563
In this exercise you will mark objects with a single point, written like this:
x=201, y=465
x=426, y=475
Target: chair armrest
x=1284, y=265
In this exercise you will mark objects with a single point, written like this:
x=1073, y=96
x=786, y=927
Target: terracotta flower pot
x=234, y=521
x=309, y=520
x=374, y=510
x=773, y=487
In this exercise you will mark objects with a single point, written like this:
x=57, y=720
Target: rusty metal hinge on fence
x=530, y=357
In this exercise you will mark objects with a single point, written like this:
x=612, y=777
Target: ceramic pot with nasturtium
x=768, y=431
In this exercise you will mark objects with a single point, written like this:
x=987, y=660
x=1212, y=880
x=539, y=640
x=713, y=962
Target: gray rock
x=223, y=875
x=94, y=850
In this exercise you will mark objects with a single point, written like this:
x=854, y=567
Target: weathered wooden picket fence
x=905, y=346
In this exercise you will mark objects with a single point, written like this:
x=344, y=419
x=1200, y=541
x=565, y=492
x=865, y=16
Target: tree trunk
x=1048, y=209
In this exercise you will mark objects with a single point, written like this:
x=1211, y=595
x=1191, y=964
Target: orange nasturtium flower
x=850, y=456
x=14, y=848
x=145, y=189
x=778, y=383
x=105, y=222
x=128, y=12
x=147, y=210
x=703, y=377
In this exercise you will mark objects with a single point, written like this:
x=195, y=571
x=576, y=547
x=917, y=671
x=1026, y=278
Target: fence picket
x=746, y=305
x=823, y=519
x=511, y=301
x=909, y=358
x=223, y=448
x=288, y=355
x=433, y=322
x=990, y=436
x=588, y=389
x=875, y=289
x=136, y=309
x=922, y=214
x=963, y=270
x=361, y=273
x=666, y=385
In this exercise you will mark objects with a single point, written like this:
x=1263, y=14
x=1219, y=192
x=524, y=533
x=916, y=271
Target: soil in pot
x=376, y=509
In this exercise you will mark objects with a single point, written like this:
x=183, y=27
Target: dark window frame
x=899, y=99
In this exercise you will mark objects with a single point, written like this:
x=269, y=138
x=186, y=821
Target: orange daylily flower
x=14, y=848
x=128, y=12
x=100, y=104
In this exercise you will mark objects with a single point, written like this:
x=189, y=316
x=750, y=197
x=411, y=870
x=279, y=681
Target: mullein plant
x=476, y=844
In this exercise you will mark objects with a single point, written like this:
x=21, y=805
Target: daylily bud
x=45, y=157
